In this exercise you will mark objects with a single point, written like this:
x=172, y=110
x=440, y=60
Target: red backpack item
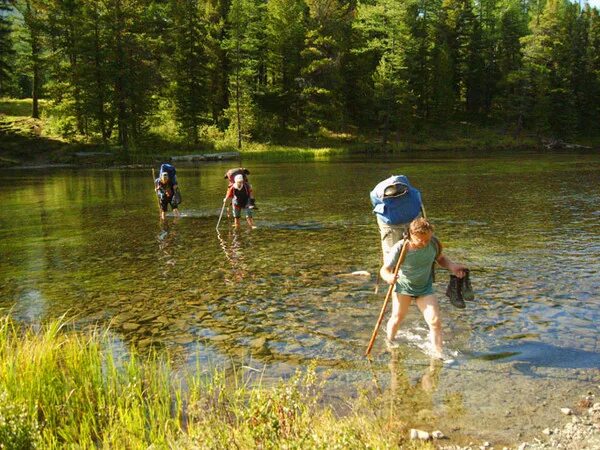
x=231, y=173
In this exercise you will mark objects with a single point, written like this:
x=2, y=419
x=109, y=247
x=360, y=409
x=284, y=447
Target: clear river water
x=88, y=244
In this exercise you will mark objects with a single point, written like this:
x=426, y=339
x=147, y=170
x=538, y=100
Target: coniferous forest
x=270, y=70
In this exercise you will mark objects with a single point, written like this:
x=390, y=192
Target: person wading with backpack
x=167, y=190
x=396, y=203
x=415, y=280
x=242, y=198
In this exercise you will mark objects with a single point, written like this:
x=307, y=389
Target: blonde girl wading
x=415, y=280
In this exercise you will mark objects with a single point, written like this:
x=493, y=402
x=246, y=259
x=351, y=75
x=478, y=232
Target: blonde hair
x=420, y=226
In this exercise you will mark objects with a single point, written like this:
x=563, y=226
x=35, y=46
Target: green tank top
x=415, y=276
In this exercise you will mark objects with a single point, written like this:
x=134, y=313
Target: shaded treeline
x=275, y=69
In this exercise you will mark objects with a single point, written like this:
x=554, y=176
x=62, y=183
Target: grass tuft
x=64, y=389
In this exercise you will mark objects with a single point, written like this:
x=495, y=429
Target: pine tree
x=582, y=79
x=190, y=65
x=217, y=64
x=6, y=46
x=328, y=26
x=97, y=77
x=549, y=59
x=592, y=111
x=464, y=40
x=65, y=29
x=132, y=52
x=243, y=45
x=513, y=98
x=285, y=33
x=33, y=13
x=384, y=25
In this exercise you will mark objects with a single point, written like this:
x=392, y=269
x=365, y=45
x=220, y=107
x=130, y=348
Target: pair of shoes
x=467, y=290
x=454, y=292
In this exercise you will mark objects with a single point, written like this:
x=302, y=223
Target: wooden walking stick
x=155, y=193
x=220, y=216
x=388, y=295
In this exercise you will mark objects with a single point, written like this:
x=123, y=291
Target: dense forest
x=270, y=70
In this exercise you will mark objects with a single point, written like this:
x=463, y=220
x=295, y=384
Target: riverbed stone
x=144, y=342
x=566, y=411
x=258, y=342
x=183, y=340
x=437, y=434
x=148, y=317
x=419, y=435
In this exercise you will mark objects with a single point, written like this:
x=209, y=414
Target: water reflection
x=411, y=402
x=232, y=245
x=166, y=245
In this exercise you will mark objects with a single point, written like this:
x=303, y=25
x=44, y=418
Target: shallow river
x=88, y=244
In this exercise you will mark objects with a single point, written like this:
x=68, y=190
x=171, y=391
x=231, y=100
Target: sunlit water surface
x=88, y=244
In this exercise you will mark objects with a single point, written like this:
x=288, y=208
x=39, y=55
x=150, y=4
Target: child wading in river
x=168, y=193
x=415, y=280
x=242, y=197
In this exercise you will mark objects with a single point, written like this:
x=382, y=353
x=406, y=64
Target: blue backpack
x=170, y=170
x=395, y=201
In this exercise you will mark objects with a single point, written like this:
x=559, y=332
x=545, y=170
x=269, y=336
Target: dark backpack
x=231, y=173
x=169, y=170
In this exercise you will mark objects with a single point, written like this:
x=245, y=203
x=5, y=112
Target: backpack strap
x=438, y=252
x=438, y=247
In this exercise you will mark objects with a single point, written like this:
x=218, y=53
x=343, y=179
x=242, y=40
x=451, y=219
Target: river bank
x=34, y=142
x=61, y=387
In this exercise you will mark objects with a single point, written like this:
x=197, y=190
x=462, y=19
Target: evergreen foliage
x=270, y=69
x=6, y=46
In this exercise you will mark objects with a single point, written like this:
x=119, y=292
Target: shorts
x=166, y=201
x=237, y=212
x=390, y=235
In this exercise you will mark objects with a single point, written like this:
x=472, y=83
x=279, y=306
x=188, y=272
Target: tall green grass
x=65, y=389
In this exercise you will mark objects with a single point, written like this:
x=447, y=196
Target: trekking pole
x=388, y=295
x=157, y=199
x=220, y=216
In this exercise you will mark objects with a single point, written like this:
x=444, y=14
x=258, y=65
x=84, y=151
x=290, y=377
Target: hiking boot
x=467, y=290
x=454, y=292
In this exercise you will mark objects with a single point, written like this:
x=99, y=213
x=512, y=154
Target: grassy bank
x=65, y=389
x=26, y=140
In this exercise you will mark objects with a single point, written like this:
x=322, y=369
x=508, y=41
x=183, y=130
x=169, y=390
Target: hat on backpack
x=395, y=190
x=395, y=201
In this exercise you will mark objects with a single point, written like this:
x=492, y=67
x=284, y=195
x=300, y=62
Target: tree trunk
x=122, y=125
x=35, y=58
